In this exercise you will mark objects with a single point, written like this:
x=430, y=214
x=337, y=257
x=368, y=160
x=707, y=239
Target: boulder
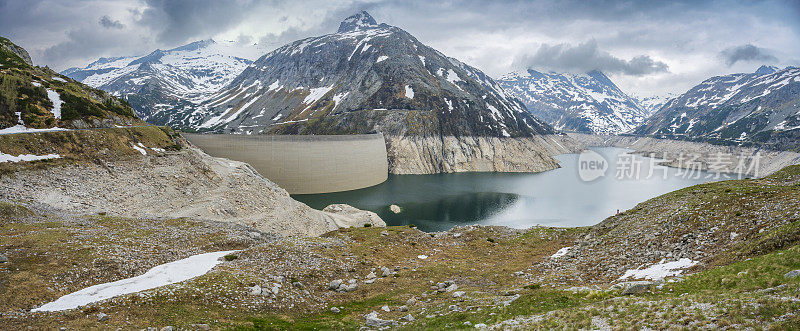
x=375, y=322
x=792, y=274
x=334, y=285
x=346, y=216
x=636, y=287
x=3, y=258
x=102, y=317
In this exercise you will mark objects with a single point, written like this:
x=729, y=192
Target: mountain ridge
x=585, y=102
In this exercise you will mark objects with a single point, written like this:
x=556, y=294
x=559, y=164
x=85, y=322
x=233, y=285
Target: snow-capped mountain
x=653, y=103
x=588, y=102
x=749, y=108
x=365, y=77
x=165, y=78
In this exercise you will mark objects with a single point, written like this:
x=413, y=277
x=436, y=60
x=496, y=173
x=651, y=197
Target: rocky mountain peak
x=766, y=70
x=358, y=21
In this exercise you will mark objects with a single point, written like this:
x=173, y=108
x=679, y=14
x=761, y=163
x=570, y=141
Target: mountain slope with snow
x=165, y=78
x=365, y=77
x=588, y=102
x=760, y=108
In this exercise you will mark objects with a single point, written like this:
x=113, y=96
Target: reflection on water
x=555, y=198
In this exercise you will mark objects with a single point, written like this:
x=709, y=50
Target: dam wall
x=303, y=164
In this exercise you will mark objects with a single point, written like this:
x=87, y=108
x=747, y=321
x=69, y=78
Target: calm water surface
x=553, y=198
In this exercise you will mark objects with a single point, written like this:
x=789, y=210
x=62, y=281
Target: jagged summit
x=356, y=22
x=766, y=70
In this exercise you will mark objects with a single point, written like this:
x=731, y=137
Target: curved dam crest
x=304, y=164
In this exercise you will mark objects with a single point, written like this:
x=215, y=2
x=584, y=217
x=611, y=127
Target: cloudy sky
x=647, y=47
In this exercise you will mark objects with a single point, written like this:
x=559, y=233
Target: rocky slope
x=155, y=83
x=589, y=102
x=143, y=172
x=34, y=98
x=759, y=108
x=737, y=240
x=748, y=161
x=366, y=77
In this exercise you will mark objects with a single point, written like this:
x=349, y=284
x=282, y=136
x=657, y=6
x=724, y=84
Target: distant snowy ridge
x=161, y=80
x=588, y=102
x=760, y=108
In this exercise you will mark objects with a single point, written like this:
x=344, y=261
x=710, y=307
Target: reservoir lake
x=557, y=197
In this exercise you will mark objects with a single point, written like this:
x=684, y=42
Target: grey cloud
x=746, y=52
x=588, y=56
x=181, y=20
x=108, y=23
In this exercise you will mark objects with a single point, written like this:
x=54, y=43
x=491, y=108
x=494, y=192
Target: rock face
x=18, y=51
x=346, y=216
x=759, y=108
x=156, y=83
x=589, y=102
x=428, y=155
x=173, y=185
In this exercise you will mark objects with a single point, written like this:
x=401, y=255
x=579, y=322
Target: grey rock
x=453, y=307
x=334, y=284
x=335, y=310
x=373, y=321
x=403, y=308
x=385, y=272
x=635, y=287
x=451, y=288
x=407, y=318
x=167, y=328
x=792, y=274
x=411, y=302
x=298, y=285
x=256, y=290
x=102, y=317
x=3, y=258
x=371, y=275
x=480, y=326
x=458, y=294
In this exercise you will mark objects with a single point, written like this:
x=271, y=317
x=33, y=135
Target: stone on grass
x=102, y=317
x=403, y=308
x=407, y=318
x=411, y=302
x=636, y=287
x=458, y=294
x=792, y=274
x=334, y=285
x=335, y=310
x=375, y=322
x=3, y=258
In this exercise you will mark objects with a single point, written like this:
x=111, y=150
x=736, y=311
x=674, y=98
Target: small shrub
x=230, y=257
x=366, y=225
x=533, y=286
x=491, y=240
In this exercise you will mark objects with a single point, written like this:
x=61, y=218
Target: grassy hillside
x=508, y=277
x=24, y=90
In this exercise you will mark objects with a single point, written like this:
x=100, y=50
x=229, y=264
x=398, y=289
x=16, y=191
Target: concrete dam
x=303, y=164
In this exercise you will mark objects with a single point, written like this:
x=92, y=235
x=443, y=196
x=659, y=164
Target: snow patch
x=660, y=270
x=165, y=274
x=409, y=92
x=26, y=157
x=316, y=94
x=56, y=100
x=382, y=58
x=140, y=148
x=561, y=252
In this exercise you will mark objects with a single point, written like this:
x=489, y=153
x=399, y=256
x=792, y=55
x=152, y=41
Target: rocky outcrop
x=428, y=155
x=18, y=51
x=188, y=183
x=702, y=154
